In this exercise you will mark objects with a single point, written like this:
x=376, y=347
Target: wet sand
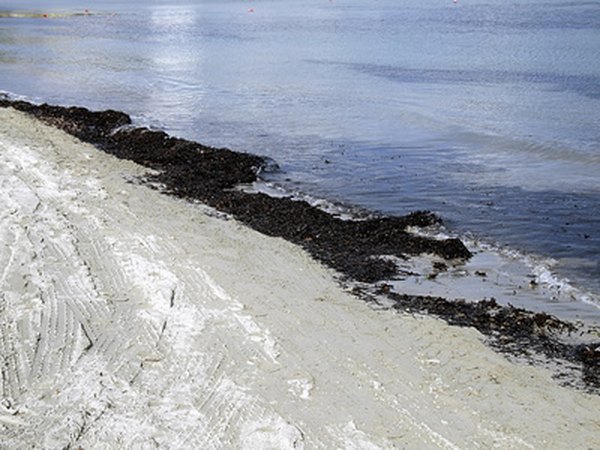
x=133, y=318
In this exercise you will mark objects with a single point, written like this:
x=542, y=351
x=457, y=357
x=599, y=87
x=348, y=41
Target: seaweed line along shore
x=359, y=250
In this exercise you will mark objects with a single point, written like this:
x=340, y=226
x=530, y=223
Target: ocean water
x=486, y=112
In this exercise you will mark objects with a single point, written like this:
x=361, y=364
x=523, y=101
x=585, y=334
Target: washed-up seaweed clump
x=190, y=170
x=357, y=249
x=589, y=355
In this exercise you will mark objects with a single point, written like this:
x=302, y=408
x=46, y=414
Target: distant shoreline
x=37, y=15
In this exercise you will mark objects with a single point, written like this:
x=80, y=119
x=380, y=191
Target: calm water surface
x=487, y=112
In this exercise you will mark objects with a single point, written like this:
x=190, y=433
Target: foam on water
x=510, y=276
x=336, y=209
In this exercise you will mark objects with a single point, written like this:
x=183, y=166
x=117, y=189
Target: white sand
x=129, y=319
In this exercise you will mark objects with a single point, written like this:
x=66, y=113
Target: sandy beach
x=131, y=319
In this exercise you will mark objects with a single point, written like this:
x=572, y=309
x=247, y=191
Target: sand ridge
x=132, y=319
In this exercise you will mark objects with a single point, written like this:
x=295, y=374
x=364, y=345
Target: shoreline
x=220, y=333
x=359, y=251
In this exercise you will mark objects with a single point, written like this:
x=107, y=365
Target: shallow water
x=483, y=111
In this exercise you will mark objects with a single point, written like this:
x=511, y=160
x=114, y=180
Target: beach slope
x=132, y=319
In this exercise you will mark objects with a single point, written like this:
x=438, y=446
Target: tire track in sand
x=115, y=326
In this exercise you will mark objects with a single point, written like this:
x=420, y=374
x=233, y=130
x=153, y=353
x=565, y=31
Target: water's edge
x=354, y=248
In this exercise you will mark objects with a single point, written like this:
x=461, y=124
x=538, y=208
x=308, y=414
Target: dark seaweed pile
x=353, y=248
